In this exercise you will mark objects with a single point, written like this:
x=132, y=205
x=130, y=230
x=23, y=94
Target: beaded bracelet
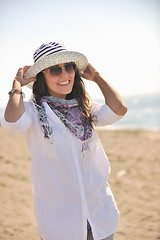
x=13, y=91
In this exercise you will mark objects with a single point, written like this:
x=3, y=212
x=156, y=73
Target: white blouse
x=68, y=188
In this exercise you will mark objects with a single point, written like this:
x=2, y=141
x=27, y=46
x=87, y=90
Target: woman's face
x=60, y=81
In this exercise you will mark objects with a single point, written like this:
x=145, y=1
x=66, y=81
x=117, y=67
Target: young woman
x=69, y=168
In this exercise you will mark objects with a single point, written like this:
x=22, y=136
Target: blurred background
x=121, y=38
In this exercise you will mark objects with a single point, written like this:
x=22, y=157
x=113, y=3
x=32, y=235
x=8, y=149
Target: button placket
x=82, y=191
x=85, y=211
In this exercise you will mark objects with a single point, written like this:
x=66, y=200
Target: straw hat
x=49, y=54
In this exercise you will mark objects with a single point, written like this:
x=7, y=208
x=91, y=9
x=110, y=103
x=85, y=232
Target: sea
x=143, y=113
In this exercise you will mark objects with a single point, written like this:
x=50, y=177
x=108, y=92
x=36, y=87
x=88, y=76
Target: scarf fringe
x=43, y=120
x=87, y=153
x=52, y=146
x=87, y=146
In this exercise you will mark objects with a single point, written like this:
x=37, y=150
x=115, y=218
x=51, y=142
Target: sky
x=121, y=39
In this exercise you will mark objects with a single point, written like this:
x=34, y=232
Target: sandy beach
x=135, y=162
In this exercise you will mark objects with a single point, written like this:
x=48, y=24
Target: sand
x=135, y=179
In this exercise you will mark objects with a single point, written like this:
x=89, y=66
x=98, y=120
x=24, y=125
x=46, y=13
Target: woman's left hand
x=89, y=73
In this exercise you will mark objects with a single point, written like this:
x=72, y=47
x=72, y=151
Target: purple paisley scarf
x=69, y=113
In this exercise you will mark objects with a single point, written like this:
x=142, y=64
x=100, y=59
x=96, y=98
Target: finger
x=19, y=72
x=82, y=74
x=25, y=68
x=30, y=80
x=27, y=81
x=91, y=68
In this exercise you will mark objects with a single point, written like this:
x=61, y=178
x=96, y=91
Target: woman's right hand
x=20, y=76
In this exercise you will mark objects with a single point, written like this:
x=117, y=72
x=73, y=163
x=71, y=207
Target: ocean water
x=143, y=113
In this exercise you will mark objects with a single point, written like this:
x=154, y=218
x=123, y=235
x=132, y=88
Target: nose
x=64, y=71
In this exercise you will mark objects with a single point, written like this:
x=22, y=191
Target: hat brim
x=54, y=59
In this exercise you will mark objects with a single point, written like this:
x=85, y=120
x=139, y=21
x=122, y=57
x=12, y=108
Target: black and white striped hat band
x=47, y=49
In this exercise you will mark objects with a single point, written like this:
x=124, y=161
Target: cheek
x=50, y=82
x=73, y=77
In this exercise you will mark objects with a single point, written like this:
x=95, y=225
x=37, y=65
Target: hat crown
x=46, y=49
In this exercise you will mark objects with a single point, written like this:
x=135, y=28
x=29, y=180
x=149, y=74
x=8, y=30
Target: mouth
x=64, y=83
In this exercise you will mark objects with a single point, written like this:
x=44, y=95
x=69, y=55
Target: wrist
x=16, y=84
x=16, y=91
x=97, y=77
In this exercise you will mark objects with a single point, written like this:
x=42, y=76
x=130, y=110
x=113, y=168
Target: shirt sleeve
x=21, y=125
x=103, y=115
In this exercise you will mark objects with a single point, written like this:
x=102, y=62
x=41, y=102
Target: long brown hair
x=78, y=92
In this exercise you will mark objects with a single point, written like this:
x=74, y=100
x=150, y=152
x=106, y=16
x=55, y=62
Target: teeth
x=63, y=83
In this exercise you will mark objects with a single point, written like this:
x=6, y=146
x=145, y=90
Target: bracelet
x=13, y=91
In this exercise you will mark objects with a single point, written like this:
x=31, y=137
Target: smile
x=64, y=83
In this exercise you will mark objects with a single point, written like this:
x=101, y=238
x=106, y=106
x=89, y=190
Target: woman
x=69, y=169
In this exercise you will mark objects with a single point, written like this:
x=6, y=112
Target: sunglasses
x=57, y=70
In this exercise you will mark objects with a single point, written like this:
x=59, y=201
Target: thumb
x=29, y=80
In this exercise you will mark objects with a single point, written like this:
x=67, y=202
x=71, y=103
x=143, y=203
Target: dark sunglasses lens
x=69, y=67
x=55, y=70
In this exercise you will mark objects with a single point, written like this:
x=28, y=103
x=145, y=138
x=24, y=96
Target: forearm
x=112, y=97
x=15, y=107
